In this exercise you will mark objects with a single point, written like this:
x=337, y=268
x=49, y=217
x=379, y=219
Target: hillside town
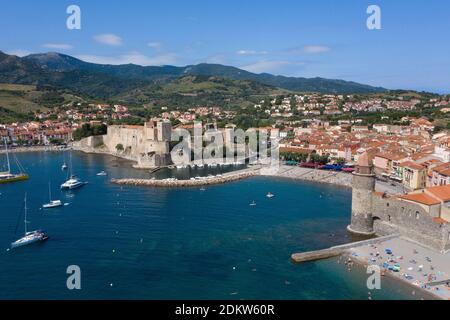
x=409, y=150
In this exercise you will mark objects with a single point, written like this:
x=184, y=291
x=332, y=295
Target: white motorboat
x=102, y=173
x=29, y=237
x=72, y=183
x=270, y=195
x=64, y=166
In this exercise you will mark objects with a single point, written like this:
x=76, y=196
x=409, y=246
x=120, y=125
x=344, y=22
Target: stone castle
x=421, y=216
x=148, y=145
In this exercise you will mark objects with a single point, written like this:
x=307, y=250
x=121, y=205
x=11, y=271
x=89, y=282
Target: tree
x=87, y=130
x=119, y=147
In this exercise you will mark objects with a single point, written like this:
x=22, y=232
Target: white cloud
x=108, y=39
x=131, y=57
x=251, y=52
x=316, y=49
x=271, y=66
x=18, y=52
x=58, y=46
x=155, y=45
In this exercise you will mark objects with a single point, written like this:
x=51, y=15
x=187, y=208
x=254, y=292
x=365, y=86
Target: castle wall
x=409, y=220
x=140, y=144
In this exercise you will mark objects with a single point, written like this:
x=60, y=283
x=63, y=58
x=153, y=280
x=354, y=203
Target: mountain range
x=111, y=81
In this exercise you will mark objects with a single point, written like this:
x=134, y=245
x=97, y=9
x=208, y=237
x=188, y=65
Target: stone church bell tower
x=363, y=185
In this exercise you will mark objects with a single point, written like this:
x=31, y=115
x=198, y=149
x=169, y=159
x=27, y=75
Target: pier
x=203, y=181
x=336, y=250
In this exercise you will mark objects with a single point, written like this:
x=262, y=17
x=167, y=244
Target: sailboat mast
x=25, y=214
x=7, y=156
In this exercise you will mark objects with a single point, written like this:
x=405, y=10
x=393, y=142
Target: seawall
x=170, y=183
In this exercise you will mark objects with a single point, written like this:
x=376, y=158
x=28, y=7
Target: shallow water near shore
x=151, y=243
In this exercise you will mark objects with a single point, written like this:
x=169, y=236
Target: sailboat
x=52, y=203
x=7, y=176
x=73, y=182
x=29, y=237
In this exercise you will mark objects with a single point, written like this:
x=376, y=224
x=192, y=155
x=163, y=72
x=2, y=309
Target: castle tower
x=363, y=186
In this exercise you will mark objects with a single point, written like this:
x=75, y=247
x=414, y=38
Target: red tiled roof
x=420, y=198
x=440, y=192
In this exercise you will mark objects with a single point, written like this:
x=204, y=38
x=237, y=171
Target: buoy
x=111, y=284
x=114, y=250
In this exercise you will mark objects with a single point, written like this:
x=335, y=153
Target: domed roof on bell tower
x=363, y=160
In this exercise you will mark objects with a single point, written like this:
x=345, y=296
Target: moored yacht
x=7, y=176
x=72, y=183
x=29, y=237
x=52, y=203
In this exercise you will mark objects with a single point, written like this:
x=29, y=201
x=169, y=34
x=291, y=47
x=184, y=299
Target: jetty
x=201, y=181
x=336, y=250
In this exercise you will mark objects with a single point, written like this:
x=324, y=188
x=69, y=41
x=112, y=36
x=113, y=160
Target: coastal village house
x=413, y=175
x=388, y=163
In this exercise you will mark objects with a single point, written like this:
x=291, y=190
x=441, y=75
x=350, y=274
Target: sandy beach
x=343, y=179
x=418, y=265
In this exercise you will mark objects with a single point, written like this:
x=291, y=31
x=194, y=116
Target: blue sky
x=323, y=38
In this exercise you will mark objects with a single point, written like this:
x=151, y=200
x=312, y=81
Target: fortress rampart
x=148, y=145
x=374, y=213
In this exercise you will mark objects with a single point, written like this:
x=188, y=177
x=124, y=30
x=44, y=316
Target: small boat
x=64, y=166
x=270, y=195
x=72, y=183
x=52, y=203
x=253, y=204
x=102, y=173
x=29, y=237
x=202, y=189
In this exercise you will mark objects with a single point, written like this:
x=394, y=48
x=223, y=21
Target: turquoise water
x=148, y=243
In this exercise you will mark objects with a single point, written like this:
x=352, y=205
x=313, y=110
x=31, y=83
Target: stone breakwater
x=33, y=149
x=205, y=181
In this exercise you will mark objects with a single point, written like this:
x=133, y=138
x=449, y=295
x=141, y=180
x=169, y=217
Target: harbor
x=154, y=243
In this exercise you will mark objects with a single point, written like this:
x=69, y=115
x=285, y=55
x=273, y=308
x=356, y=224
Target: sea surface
x=151, y=243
